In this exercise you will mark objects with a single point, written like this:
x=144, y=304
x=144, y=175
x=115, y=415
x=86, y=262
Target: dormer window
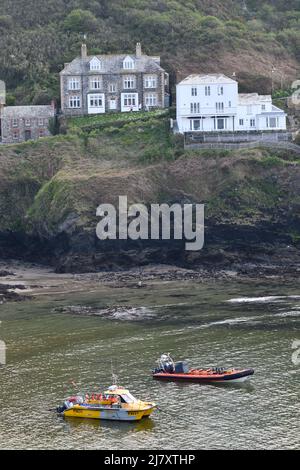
x=95, y=64
x=128, y=63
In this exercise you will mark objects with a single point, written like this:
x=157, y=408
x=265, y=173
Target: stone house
x=21, y=123
x=102, y=83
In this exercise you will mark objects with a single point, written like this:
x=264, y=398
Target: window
x=221, y=124
x=40, y=122
x=241, y=122
x=41, y=133
x=95, y=83
x=95, y=64
x=252, y=122
x=74, y=102
x=195, y=108
x=263, y=107
x=15, y=134
x=128, y=63
x=207, y=91
x=27, y=122
x=220, y=107
x=229, y=104
x=272, y=122
x=220, y=90
x=196, y=124
x=130, y=99
x=194, y=91
x=15, y=122
x=151, y=99
x=112, y=87
x=129, y=82
x=95, y=101
x=74, y=83
x=150, y=81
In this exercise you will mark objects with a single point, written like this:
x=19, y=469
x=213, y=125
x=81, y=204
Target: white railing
x=206, y=111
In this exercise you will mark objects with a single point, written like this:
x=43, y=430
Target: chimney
x=138, y=49
x=83, y=51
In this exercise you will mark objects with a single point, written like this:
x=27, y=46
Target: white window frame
x=16, y=134
x=263, y=107
x=112, y=88
x=74, y=83
x=273, y=118
x=207, y=90
x=252, y=122
x=195, y=108
x=129, y=82
x=96, y=82
x=96, y=100
x=27, y=122
x=41, y=122
x=150, y=81
x=129, y=99
x=224, y=120
x=15, y=122
x=95, y=64
x=74, y=102
x=220, y=106
x=220, y=90
x=192, y=124
x=128, y=63
x=151, y=99
x=241, y=122
x=194, y=91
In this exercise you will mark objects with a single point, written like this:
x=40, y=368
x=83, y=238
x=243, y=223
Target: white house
x=211, y=103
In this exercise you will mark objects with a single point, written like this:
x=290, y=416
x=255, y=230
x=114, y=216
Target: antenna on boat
x=114, y=377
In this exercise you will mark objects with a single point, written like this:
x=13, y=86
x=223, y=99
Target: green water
x=46, y=350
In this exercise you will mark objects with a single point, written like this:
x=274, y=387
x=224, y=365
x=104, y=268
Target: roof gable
x=128, y=63
x=95, y=64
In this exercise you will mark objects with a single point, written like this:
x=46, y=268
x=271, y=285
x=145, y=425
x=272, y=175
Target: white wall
x=205, y=103
x=248, y=114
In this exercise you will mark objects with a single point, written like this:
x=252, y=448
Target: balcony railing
x=207, y=111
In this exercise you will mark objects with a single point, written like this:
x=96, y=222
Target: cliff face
x=49, y=192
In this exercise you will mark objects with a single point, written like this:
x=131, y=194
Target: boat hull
x=114, y=414
x=237, y=377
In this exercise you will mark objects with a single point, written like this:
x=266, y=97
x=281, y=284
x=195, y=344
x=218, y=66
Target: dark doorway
x=27, y=135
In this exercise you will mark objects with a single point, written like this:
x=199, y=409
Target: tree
x=80, y=21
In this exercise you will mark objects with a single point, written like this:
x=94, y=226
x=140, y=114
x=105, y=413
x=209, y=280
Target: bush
x=6, y=22
x=80, y=21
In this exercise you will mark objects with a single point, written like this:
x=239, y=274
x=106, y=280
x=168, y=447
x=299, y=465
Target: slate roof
x=38, y=111
x=113, y=64
x=253, y=98
x=200, y=79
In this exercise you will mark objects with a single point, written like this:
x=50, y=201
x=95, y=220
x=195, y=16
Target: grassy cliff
x=50, y=189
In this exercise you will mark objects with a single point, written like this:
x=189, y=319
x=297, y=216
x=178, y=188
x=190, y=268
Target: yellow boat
x=116, y=403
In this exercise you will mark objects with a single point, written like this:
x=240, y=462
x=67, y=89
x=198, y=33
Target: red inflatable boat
x=168, y=370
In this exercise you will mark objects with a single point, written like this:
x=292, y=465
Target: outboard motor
x=166, y=364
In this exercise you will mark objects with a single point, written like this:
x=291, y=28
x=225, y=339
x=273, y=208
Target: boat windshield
x=128, y=398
